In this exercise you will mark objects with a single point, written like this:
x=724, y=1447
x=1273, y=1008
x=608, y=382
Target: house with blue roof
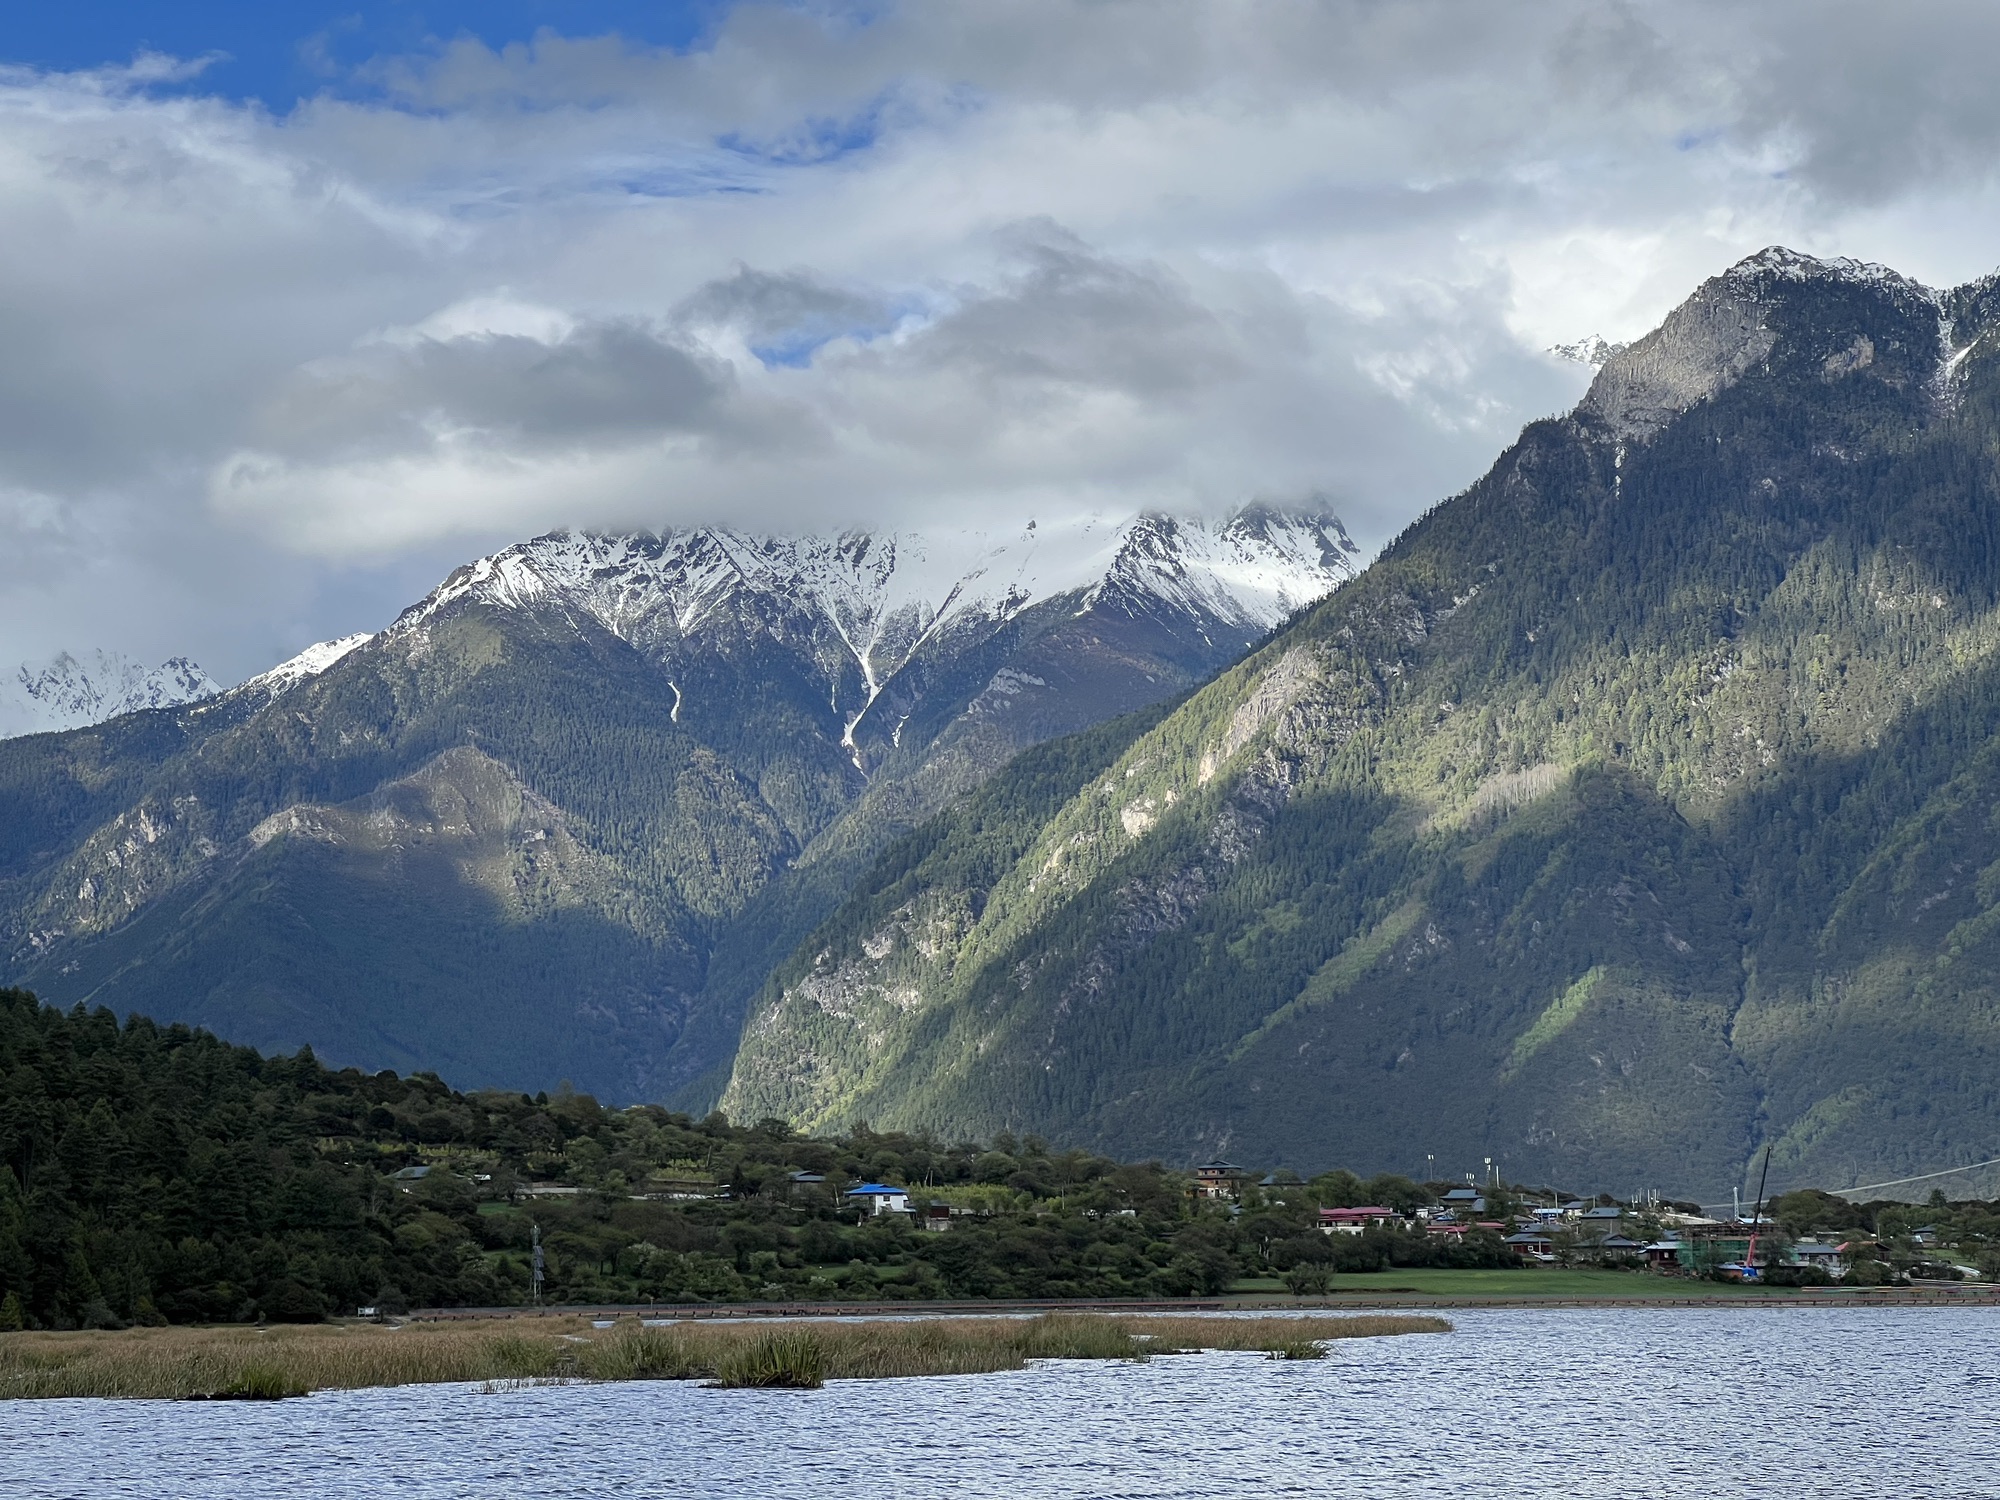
x=880, y=1198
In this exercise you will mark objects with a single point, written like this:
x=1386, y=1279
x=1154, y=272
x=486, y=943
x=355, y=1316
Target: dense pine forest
x=156, y=1174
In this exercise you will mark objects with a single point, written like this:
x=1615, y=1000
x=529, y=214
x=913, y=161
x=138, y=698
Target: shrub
x=257, y=1383
x=1309, y=1280
x=792, y=1360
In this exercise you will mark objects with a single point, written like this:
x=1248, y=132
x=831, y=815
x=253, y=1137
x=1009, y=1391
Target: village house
x=1831, y=1259
x=1355, y=1220
x=880, y=1198
x=1533, y=1248
x=1219, y=1179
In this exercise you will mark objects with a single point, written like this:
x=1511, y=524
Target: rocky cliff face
x=1626, y=816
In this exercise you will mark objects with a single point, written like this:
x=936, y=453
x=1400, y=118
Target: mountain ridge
x=1549, y=837
x=554, y=807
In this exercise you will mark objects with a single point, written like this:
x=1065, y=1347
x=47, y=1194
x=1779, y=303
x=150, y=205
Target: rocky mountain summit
x=562, y=815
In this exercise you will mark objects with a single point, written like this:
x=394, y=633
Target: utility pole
x=535, y=1276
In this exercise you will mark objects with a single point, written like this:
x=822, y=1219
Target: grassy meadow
x=1528, y=1281
x=254, y=1363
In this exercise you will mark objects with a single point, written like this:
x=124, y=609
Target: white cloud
x=836, y=266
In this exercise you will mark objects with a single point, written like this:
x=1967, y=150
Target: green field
x=1528, y=1282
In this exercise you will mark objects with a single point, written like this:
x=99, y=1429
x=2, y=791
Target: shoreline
x=738, y=1312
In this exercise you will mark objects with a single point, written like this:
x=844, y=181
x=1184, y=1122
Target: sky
x=301, y=306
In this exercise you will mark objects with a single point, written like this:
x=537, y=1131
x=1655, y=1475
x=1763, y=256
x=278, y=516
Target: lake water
x=1612, y=1402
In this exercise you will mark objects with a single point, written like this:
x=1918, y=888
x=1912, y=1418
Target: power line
x=1869, y=1187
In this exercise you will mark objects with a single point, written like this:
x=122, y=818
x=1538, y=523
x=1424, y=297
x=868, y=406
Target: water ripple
x=1627, y=1402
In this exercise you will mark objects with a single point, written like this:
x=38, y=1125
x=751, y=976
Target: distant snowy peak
x=1257, y=568
x=310, y=662
x=886, y=594
x=677, y=580
x=1593, y=351
x=69, y=692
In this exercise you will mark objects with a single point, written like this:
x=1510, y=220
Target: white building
x=880, y=1198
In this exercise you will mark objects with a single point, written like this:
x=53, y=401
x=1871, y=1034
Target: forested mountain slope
x=556, y=820
x=1637, y=808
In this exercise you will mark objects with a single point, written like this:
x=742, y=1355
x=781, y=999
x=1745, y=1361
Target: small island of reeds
x=253, y=1363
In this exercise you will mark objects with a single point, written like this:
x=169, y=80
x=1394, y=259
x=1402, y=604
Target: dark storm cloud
x=783, y=316
x=607, y=381
x=1072, y=318
x=1868, y=103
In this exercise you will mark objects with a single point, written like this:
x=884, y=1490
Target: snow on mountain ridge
x=1592, y=351
x=1785, y=264
x=66, y=692
x=885, y=596
x=310, y=662
x=1257, y=569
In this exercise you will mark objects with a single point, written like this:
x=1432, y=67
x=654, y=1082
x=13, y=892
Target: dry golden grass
x=193, y=1363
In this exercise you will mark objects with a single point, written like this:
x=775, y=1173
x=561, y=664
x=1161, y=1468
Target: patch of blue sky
x=813, y=142
x=606, y=181
x=1694, y=140
x=281, y=53
x=680, y=179
x=795, y=350
x=795, y=347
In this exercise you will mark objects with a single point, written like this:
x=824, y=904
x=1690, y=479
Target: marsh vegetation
x=250, y=1363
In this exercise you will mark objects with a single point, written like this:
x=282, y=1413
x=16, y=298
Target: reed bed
x=249, y=1363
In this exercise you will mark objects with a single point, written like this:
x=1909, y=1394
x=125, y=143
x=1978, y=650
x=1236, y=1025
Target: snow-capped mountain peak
x=1592, y=351
x=310, y=662
x=885, y=594
x=1779, y=263
x=864, y=606
x=69, y=691
x=1257, y=568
